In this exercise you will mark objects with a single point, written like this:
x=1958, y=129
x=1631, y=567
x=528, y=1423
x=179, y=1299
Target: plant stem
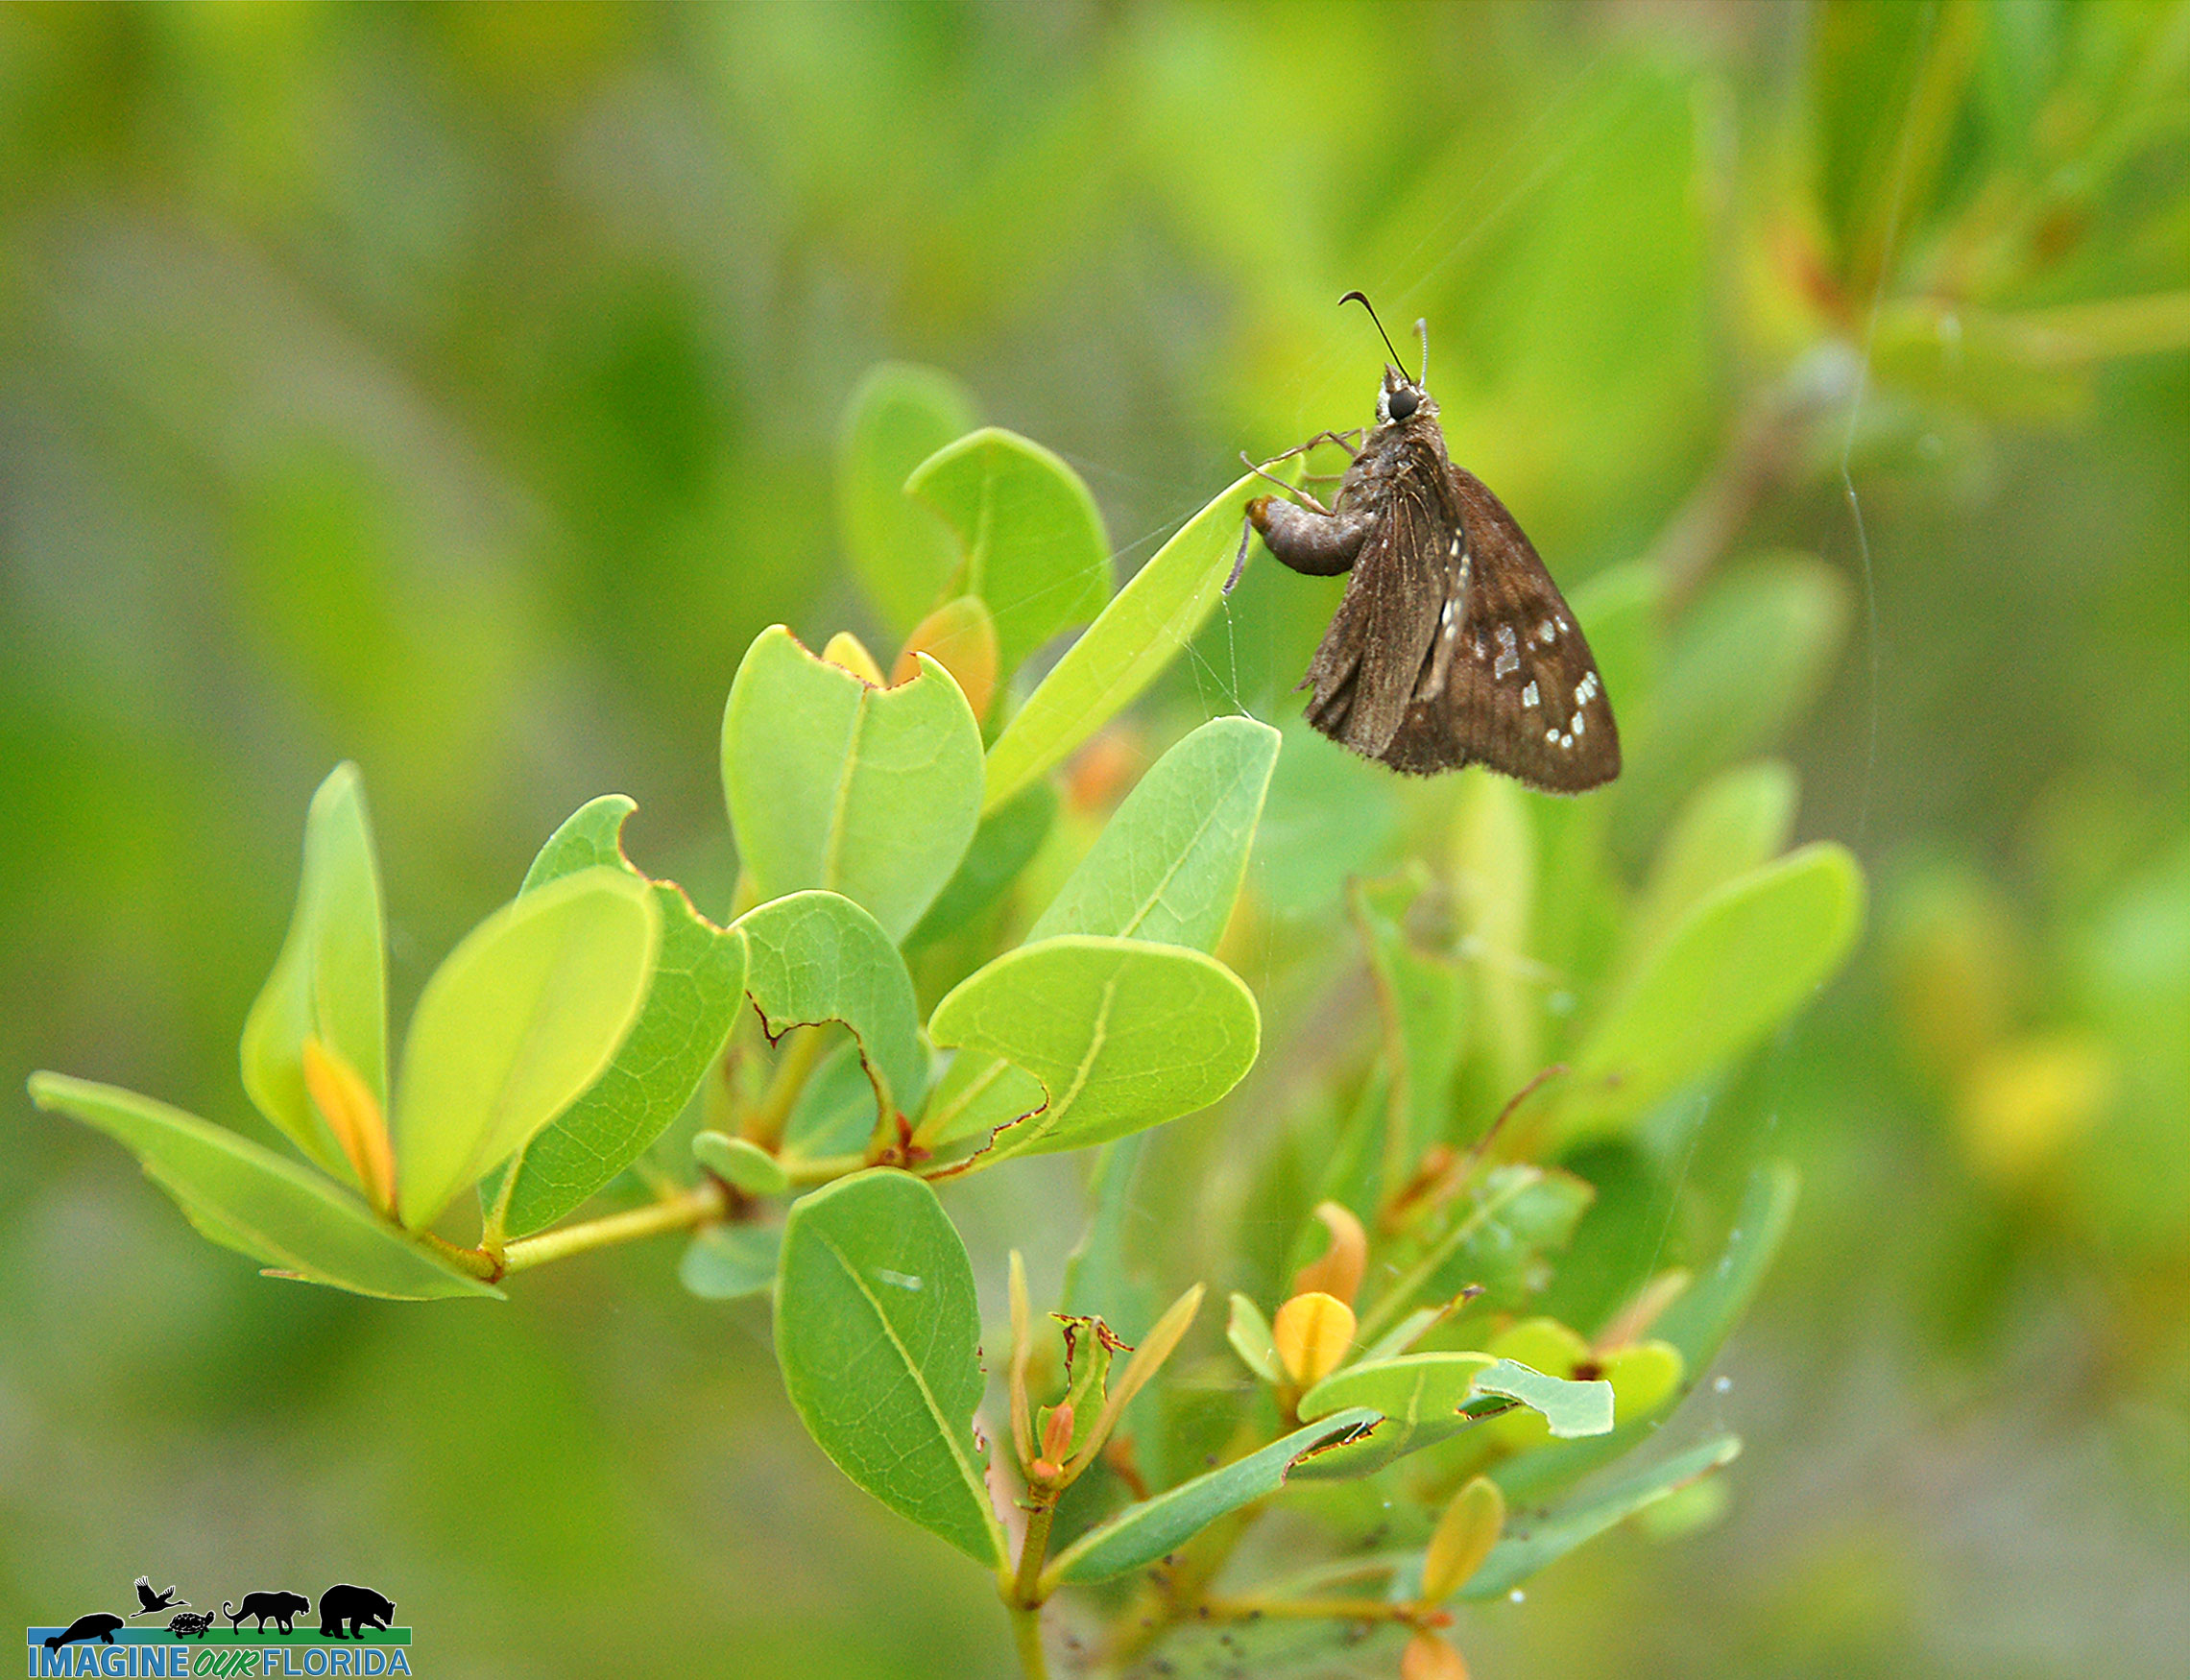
x=1033, y=1553
x=765, y=1125
x=1022, y=1595
x=1026, y=1633
x=820, y=1169
x=1308, y=1609
x=701, y=1204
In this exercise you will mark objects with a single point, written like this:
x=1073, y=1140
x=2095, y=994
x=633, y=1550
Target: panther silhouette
x=279, y=1608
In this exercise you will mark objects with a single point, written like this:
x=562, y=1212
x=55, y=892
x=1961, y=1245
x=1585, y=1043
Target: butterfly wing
x=1368, y=669
x=1509, y=680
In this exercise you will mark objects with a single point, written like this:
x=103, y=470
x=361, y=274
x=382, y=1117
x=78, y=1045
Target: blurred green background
x=456, y=390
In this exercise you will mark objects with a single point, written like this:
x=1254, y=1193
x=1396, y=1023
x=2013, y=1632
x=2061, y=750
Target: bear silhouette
x=279, y=1608
x=189, y=1624
x=98, y=1626
x=359, y=1606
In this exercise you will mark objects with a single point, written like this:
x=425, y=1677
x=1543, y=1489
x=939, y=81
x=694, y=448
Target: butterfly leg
x=1341, y=438
x=1289, y=490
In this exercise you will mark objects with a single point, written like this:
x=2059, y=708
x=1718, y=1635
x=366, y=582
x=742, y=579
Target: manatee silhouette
x=189, y=1623
x=98, y=1626
x=279, y=1608
x=359, y=1606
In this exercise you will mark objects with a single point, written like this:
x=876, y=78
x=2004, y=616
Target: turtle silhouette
x=279, y=1608
x=189, y=1623
x=98, y=1626
x=359, y=1606
x=152, y=1601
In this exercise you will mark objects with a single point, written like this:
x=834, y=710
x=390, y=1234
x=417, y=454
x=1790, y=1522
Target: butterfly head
x=1401, y=399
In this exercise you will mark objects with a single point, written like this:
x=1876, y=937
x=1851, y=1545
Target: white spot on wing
x=1529, y=694
x=1548, y=633
x=1508, y=659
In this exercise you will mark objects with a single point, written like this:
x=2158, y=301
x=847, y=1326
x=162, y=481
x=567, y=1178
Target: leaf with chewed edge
x=285, y=1216
x=1121, y=1036
x=691, y=1003
x=1150, y=1529
x=877, y=1332
x=817, y=956
x=1420, y=1396
x=834, y=783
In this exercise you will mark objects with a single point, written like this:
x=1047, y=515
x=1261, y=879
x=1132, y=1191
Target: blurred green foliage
x=457, y=390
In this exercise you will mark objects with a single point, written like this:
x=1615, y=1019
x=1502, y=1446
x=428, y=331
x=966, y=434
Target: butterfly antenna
x=1422, y=332
x=1357, y=298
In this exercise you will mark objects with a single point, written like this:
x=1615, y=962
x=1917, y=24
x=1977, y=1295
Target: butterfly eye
x=1404, y=402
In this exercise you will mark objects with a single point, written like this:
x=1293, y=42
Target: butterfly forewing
x=1367, y=672
x=1509, y=680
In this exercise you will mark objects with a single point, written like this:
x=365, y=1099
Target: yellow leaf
x=1312, y=1333
x=1338, y=1273
x=849, y=653
x=346, y=1104
x=1465, y=1534
x=961, y=637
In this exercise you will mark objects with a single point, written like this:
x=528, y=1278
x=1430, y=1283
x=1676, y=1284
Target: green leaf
x=330, y=980
x=1248, y=1330
x=1419, y=1002
x=1494, y=887
x=1531, y=1542
x=1097, y=1280
x=1003, y=845
x=817, y=956
x=1738, y=821
x=1570, y=1408
x=878, y=1331
x=740, y=1162
x=1420, y=1396
x=1743, y=959
x=1168, y=865
x=524, y=1015
x=1699, y=1322
x=1166, y=869
x=1123, y=651
x=1331, y=815
x=1745, y=660
x=1122, y=1035
x=836, y=1113
x=832, y=782
x=1509, y=1254
x=248, y=1198
x=897, y=417
x=691, y=1003
x=1032, y=541
x=729, y=1262
x=1147, y=1531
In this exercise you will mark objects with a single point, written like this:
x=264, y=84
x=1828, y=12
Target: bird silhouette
x=152, y=1601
